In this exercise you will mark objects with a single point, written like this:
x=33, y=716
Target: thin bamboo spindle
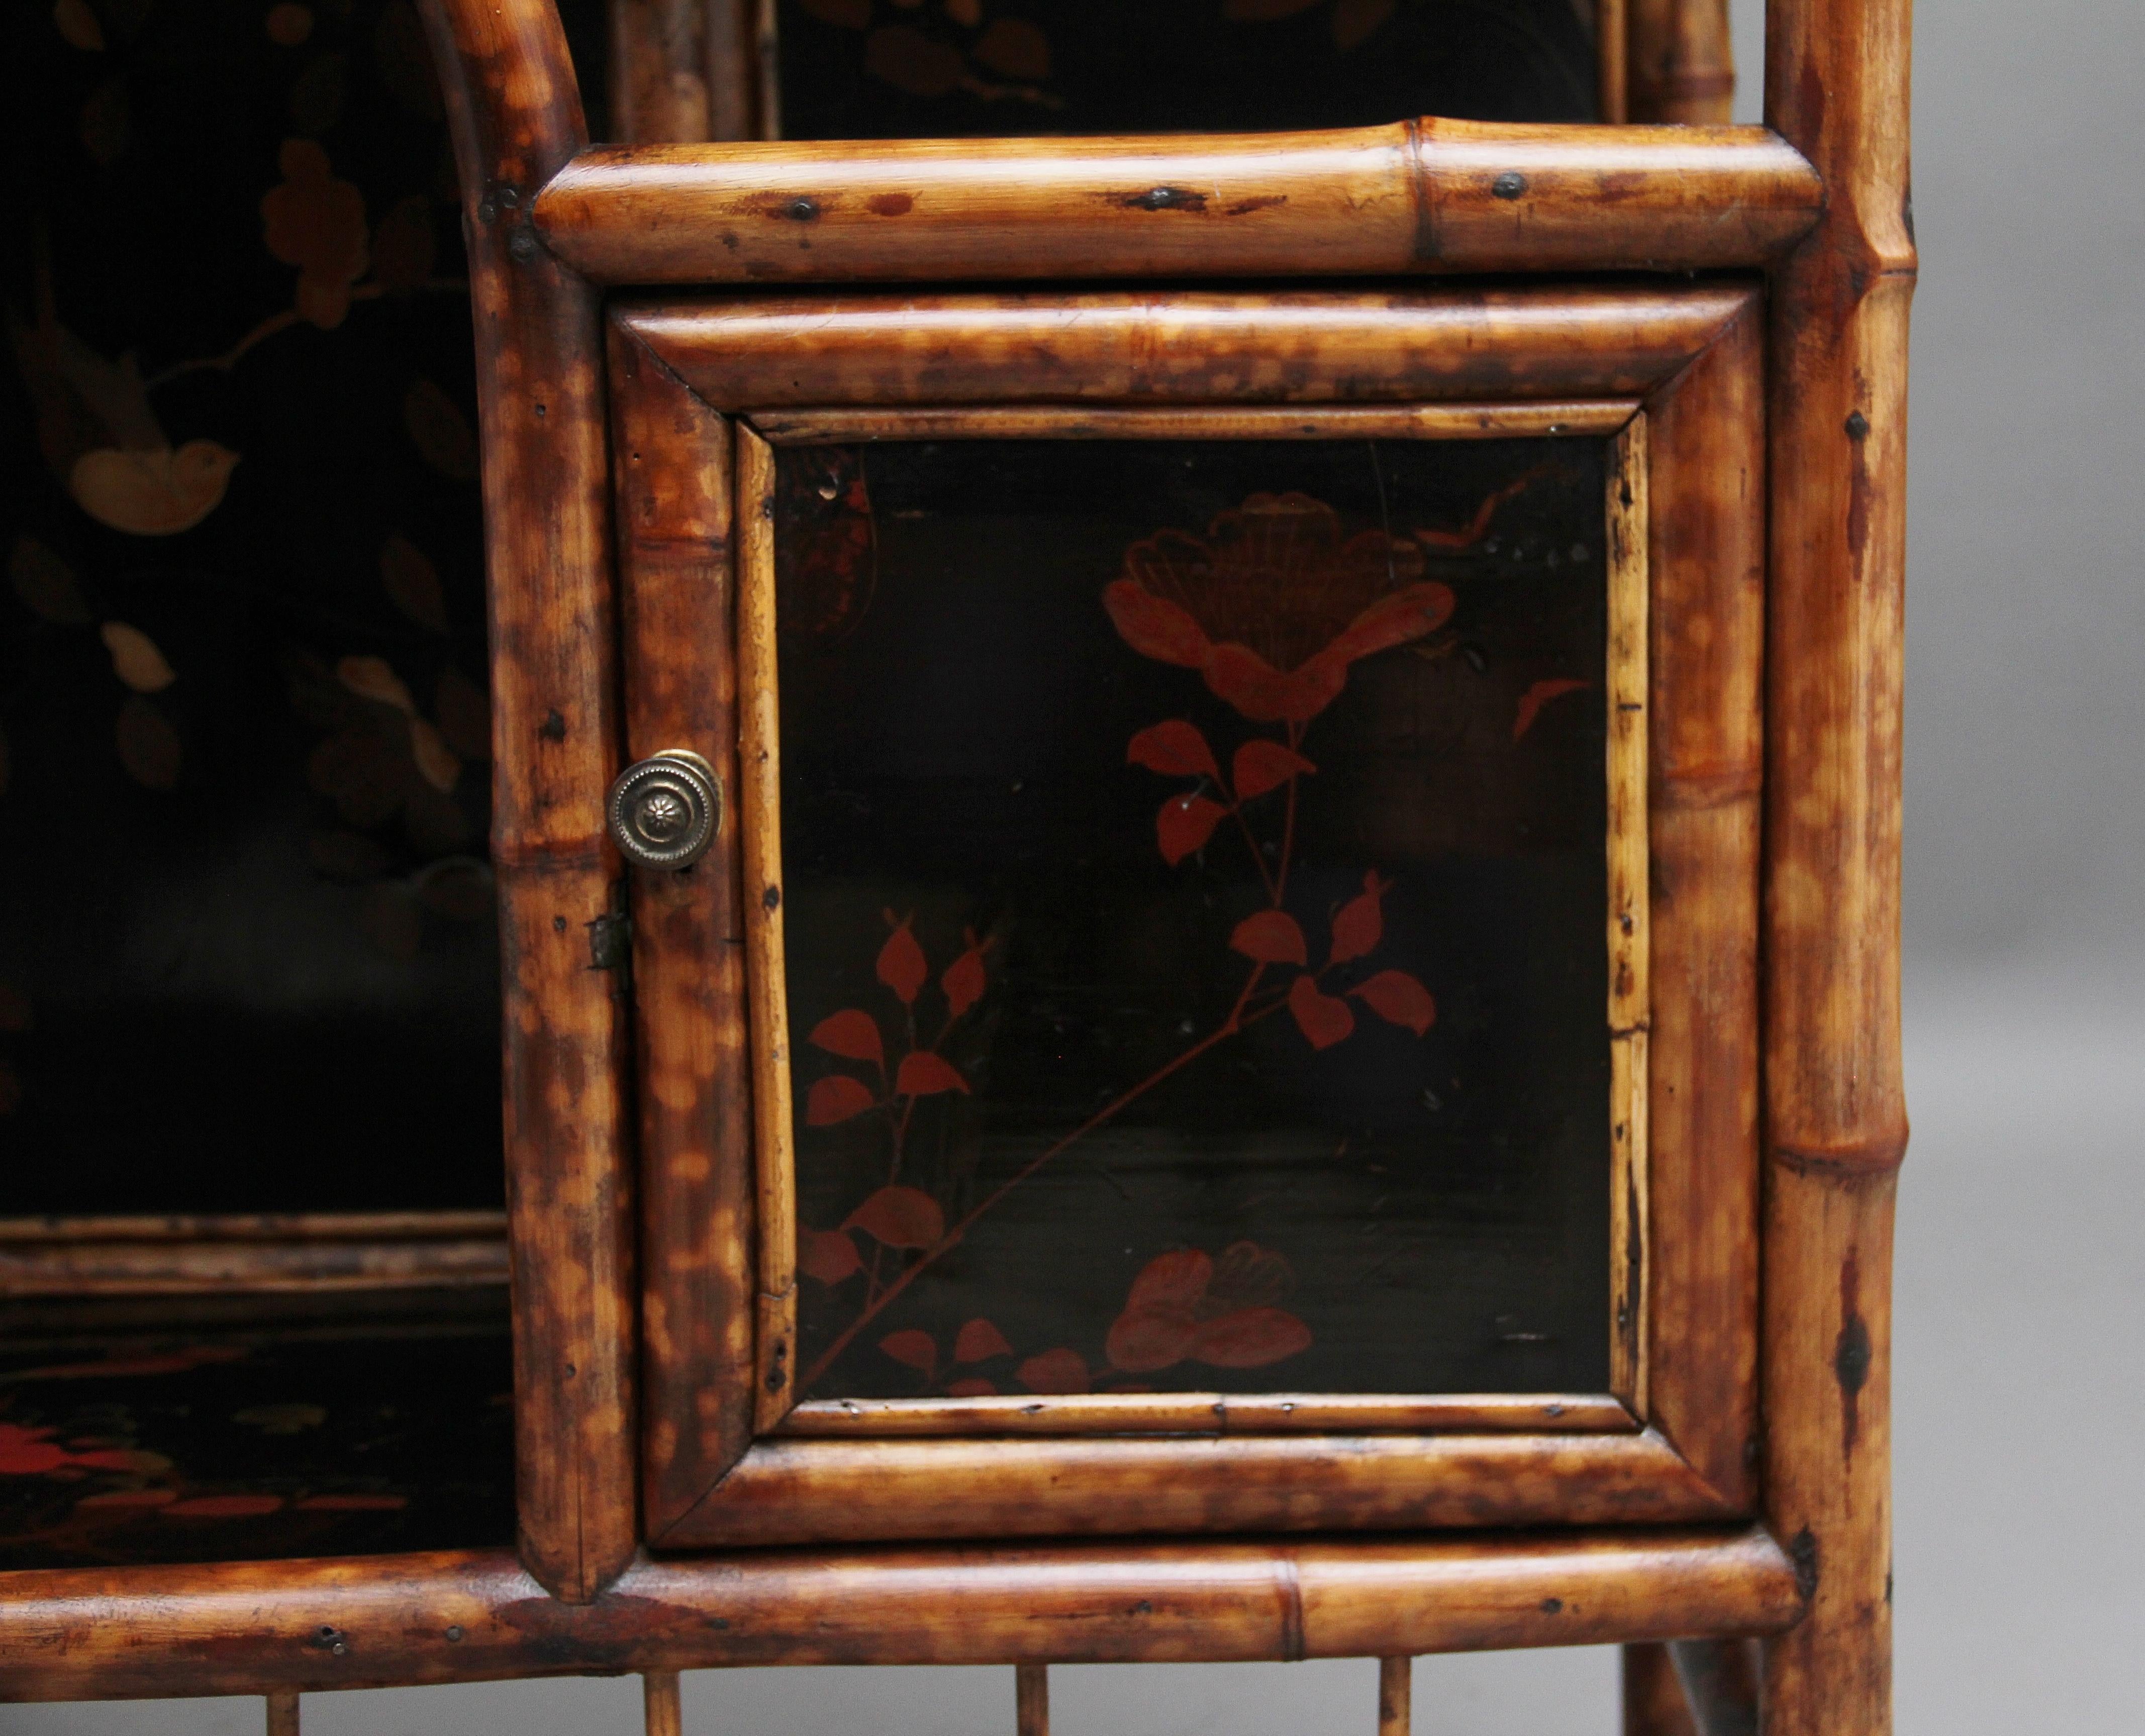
x=283, y=1714
x=660, y=1714
x=1396, y=1695
x=1837, y=88
x=1654, y=1705
x=1679, y=62
x=1031, y=1699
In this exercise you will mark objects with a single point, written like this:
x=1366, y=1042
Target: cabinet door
x=1225, y=998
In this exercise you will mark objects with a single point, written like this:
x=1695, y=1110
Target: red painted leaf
x=1259, y=691
x=965, y=979
x=836, y=1098
x=1250, y=1338
x=1184, y=824
x=1263, y=765
x=827, y=1255
x=901, y=1217
x=1537, y=696
x=902, y=966
x=1359, y=923
x=1175, y=1280
x=27, y=1453
x=1322, y=1018
x=1054, y=1372
x=1176, y=749
x=1271, y=937
x=979, y=1341
x=851, y=1034
x=912, y=1348
x=924, y=1074
x=973, y=1386
x=1154, y=627
x=1397, y=995
x=1144, y=1339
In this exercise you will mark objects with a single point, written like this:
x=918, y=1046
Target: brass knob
x=665, y=810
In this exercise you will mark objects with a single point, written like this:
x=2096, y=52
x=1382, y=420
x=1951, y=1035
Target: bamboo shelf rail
x=387, y=1620
x=1421, y=195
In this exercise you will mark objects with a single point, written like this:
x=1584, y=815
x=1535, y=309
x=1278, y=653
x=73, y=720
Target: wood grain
x=671, y=460
x=516, y=116
x=1212, y=1413
x=1332, y=349
x=790, y=1491
x=1422, y=196
x=1836, y=1126
x=91, y=1634
x=251, y=1255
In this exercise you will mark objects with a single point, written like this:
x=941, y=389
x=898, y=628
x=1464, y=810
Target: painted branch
x=1836, y=83
x=1120, y=347
x=1207, y=1413
x=671, y=457
x=121, y=1257
x=785, y=1491
x=1396, y=1695
x=1031, y=1699
x=1707, y=536
x=1653, y=1702
x=89, y=1634
x=1425, y=196
x=516, y=116
x=1680, y=63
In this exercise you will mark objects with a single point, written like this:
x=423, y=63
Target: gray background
x=2021, y=1298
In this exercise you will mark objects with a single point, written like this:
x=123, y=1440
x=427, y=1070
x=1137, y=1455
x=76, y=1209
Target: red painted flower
x=1272, y=605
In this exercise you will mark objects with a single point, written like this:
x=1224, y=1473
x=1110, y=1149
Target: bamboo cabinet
x=1197, y=837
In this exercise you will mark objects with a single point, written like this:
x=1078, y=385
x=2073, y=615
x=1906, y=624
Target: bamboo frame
x=256, y=1628
x=1624, y=689
x=307, y=1254
x=1423, y=196
x=1690, y=357
x=1627, y=689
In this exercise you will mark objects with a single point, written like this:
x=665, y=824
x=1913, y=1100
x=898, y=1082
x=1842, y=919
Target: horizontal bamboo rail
x=287, y=1626
x=1419, y=195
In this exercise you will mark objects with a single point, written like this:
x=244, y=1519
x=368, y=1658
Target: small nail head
x=1510, y=185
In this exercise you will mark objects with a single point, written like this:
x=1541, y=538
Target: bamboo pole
x=1680, y=62
x=1421, y=195
x=1396, y=1695
x=660, y=1714
x=283, y=1714
x=1836, y=87
x=1031, y=1697
x=515, y=113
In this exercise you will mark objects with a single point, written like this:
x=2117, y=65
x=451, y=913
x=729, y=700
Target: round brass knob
x=665, y=810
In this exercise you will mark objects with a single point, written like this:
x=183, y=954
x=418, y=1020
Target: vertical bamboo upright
x=1837, y=89
x=1679, y=64
x=515, y=115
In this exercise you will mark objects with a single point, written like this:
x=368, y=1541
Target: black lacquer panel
x=1194, y=892
x=883, y=69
